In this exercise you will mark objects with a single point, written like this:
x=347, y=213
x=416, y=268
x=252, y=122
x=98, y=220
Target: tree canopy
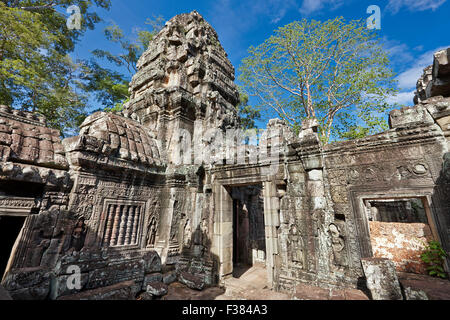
x=335, y=71
x=36, y=72
x=110, y=87
x=247, y=114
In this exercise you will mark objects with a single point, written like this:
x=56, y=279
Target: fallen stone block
x=60, y=286
x=152, y=262
x=434, y=288
x=121, y=291
x=28, y=284
x=192, y=281
x=381, y=279
x=157, y=289
x=150, y=278
x=170, y=277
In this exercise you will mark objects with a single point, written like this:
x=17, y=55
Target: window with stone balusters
x=122, y=225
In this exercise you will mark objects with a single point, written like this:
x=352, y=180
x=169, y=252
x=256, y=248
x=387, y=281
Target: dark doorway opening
x=249, y=244
x=10, y=227
x=20, y=189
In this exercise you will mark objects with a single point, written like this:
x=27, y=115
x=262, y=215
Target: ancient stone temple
x=165, y=191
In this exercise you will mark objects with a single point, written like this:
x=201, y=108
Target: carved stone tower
x=184, y=81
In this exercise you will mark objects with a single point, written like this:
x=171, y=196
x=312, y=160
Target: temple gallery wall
x=117, y=203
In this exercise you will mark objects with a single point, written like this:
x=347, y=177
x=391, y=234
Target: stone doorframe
x=17, y=207
x=360, y=195
x=222, y=244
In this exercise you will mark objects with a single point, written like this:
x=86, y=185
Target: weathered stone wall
x=125, y=197
x=34, y=184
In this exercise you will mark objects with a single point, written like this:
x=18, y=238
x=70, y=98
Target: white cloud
x=311, y=6
x=407, y=79
x=399, y=53
x=414, y=5
x=274, y=9
x=402, y=98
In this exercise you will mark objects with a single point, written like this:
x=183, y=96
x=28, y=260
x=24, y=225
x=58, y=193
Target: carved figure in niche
x=296, y=244
x=338, y=245
x=204, y=229
x=198, y=237
x=175, y=220
x=187, y=234
x=78, y=236
x=151, y=232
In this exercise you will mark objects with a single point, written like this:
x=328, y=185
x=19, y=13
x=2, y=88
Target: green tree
x=247, y=114
x=110, y=87
x=335, y=71
x=36, y=72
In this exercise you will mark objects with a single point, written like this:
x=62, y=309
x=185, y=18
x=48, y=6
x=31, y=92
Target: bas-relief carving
x=78, y=236
x=167, y=94
x=153, y=221
x=17, y=203
x=338, y=245
x=296, y=246
x=151, y=232
x=389, y=172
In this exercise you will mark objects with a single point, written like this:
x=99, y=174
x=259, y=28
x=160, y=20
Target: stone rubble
x=131, y=205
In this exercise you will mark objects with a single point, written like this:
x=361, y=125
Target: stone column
x=109, y=225
x=223, y=230
x=136, y=215
x=129, y=226
x=123, y=226
x=115, y=229
x=272, y=222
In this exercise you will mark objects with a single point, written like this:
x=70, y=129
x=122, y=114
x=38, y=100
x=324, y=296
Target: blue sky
x=411, y=29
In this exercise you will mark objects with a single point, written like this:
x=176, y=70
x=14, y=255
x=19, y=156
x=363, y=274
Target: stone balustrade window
x=397, y=210
x=122, y=225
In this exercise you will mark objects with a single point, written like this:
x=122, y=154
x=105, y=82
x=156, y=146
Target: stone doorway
x=18, y=201
x=249, y=247
x=222, y=245
x=10, y=229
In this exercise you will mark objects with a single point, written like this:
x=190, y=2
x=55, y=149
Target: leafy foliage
x=335, y=71
x=434, y=257
x=36, y=73
x=247, y=114
x=110, y=87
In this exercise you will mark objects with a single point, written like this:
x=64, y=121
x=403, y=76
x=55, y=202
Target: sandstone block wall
x=117, y=198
